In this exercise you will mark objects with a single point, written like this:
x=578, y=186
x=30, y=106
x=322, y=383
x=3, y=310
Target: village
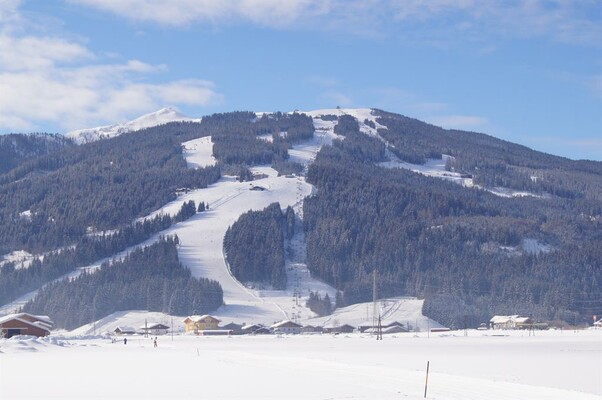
x=24, y=324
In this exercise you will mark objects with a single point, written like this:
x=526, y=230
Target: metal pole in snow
x=426, y=382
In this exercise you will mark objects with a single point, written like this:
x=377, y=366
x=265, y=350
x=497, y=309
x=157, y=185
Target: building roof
x=39, y=321
x=286, y=324
x=201, y=318
x=502, y=319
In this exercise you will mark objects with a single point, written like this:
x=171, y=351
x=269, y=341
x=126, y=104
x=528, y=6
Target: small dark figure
x=125, y=340
x=155, y=342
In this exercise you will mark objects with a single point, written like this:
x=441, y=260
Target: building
x=154, y=329
x=124, y=330
x=345, y=328
x=255, y=329
x=235, y=329
x=510, y=322
x=288, y=327
x=196, y=323
x=309, y=329
x=25, y=324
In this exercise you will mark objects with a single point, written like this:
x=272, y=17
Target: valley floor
x=483, y=365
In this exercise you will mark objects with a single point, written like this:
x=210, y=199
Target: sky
x=526, y=71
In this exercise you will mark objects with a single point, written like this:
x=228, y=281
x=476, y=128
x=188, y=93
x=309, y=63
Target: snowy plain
x=485, y=365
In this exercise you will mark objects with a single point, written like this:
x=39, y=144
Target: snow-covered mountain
x=160, y=117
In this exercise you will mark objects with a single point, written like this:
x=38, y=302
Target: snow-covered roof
x=286, y=324
x=41, y=319
x=502, y=319
x=38, y=321
x=200, y=318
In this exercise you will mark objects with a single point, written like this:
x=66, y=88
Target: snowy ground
x=482, y=366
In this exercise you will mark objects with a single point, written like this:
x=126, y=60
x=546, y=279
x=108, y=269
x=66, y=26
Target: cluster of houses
x=40, y=325
x=209, y=325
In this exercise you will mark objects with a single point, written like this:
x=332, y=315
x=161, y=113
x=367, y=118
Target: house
x=235, y=329
x=197, y=323
x=25, y=324
x=155, y=329
x=401, y=326
x=345, y=328
x=312, y=329
x=124, y=330
x=259, y=175
x=288, y=327
x=509, y=322
x=255, y=329
x=393, y=328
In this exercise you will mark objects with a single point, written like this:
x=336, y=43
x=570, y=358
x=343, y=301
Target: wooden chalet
x=155, y=329
x=345, y=328
x=510, y=322
x=124, y=330
x=288, y=327
x=25, y=324
x=255, y=329
x=196, y=323
x=235, y=329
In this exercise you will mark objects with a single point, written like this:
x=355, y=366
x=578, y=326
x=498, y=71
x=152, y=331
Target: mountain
x=160, y=117
x=18, y=148
x=271, y=210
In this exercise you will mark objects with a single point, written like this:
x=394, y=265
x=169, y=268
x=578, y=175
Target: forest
x=150, y=279
x=434, y=239
x=254, y=246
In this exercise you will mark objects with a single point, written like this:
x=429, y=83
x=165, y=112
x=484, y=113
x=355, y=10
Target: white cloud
x=48, y=80
x=562, y=20
x=178, y=12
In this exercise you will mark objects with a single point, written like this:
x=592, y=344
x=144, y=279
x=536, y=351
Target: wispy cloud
x=49, y=79
x=561, y=20
x=179, y=12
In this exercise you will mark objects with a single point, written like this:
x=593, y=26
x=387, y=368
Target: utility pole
x=374, y=297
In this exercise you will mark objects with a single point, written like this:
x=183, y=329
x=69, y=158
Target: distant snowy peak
x=163, y=116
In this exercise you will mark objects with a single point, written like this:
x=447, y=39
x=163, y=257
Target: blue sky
x=525, y=71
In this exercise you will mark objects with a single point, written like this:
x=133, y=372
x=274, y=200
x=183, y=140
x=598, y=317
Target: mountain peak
x=159, y=117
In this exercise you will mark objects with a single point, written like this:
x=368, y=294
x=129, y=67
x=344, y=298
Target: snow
x=532, y=246
x=433, y=167
x=21, y=259
x=480, y=366
x=160, y=117
x=406, y=310
x=199, y=152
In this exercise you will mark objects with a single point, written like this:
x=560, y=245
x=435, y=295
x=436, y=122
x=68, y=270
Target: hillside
x=470, y=223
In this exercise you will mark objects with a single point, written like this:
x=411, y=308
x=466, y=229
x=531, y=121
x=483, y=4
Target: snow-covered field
x=482, y=366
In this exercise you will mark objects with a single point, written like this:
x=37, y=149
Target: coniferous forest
x=254, y=246
x=435, y=239
x=150, y=279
